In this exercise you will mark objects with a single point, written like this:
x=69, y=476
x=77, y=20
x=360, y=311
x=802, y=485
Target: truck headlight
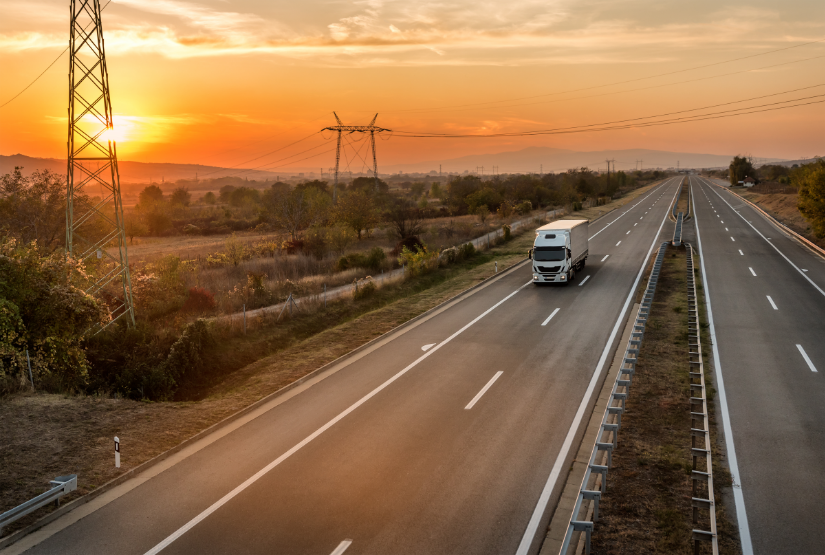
x=535, y=276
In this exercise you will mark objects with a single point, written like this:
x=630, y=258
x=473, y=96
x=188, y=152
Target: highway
x=450, y=435
x=767, y=299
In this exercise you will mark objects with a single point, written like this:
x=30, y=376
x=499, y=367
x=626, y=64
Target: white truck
x=560, y=250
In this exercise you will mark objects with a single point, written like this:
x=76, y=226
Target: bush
x=364, y=288
x=411, y=243
x=419, y=261
x=199, y=300
x=524, y=207
x=506, y=232
x=810, y=179
x=372, y=260
x=44, y=309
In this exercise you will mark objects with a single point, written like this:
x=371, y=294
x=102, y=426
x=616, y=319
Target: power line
x=628, y=124
x=615, y=82
x=267, y=154
x=47, y=67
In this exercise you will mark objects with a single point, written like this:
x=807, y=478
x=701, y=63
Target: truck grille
x=549, y=269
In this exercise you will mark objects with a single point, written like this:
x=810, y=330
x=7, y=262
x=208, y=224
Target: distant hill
x=135, y=172
x=536, y=158
x=527, y=160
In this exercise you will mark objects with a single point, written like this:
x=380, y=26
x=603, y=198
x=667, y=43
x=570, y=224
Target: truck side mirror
x=530, y=254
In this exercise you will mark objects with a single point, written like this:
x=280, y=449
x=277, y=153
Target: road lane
x=775, y=401
x=409, y=470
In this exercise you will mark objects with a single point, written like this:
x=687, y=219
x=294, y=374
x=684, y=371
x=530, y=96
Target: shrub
x=44, y=309
x=293, y=246
x=524, y=207
x=364, y=288
x=506, y=232
x=411, y=243
x=199, y=300
x=372, y=260
x=419, y=261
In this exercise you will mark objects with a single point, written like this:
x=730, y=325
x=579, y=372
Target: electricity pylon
x=94, y=225
x=372, y=129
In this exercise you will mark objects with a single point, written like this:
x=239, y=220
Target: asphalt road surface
x=452, y=435
x=767, y=296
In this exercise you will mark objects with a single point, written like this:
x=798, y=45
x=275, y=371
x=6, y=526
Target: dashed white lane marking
x=605, y=257
x=484, y=390
x=427, y=347
x=619, y=243
x=726, y=229
x=770, y=300
x=804, y=270
x=742, y=253
x=634, y=225
x=723, y=221
x=628, y=232
x=805, y=356
x=265, y=470
x=342, y=547
x=584, y=280
x=732, y=239
x=550, y=317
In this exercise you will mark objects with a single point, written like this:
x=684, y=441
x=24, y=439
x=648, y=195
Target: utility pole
x=372, y=129
x=94, y=231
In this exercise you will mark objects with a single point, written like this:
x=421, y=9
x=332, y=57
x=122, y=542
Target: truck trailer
x=559, y=251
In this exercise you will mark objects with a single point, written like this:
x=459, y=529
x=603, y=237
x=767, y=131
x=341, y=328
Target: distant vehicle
x=559, y=251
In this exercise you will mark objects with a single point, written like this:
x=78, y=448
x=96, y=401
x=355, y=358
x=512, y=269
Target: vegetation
x=305, y=242
x=740, y=168
x=810, y=179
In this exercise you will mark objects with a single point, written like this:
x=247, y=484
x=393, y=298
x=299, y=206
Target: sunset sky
x=220, y=83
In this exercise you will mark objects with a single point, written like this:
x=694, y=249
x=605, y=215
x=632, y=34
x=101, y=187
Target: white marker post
x=117, y=452
x=496, y=267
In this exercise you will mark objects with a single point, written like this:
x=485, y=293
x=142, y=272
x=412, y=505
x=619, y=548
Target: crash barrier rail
x=677, y=232
x=819, y=250
x=60, y=487
x=676, y=202
x=594, y=482
x=702, y=473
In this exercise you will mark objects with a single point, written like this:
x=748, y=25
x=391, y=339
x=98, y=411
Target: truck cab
x=560, y=251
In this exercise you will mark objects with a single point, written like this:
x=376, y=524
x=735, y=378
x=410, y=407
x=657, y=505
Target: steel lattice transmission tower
x=372, y=129
x=94, y=210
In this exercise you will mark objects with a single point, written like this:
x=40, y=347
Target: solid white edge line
x=541, y=506
x=550, y=317
x=258, y=475
x=773, y=304
x=631, y=208
x=738, y=497
x=751, y=269
x=805, y=356
x=771, y=244
x=584, y=280
x=605, y=257
x=484, y=390
x=342, y=547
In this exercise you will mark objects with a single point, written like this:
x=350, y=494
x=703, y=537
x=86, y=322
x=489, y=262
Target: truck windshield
x=548, y=254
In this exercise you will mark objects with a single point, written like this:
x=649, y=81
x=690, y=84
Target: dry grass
x=783, y=207
x=647, y=508
x=682, y=202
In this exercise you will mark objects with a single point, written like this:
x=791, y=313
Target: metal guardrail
x=677, y=232
x=60, y=487
x=594, y=482
x=702, y=472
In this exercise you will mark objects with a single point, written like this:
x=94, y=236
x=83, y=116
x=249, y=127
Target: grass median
x=647, y=508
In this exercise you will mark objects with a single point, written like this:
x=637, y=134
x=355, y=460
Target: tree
x=44, y=309
x=181, y=196
x=34, y=208
x=435, y=190
x=358, y=211
x=486, y=196
x=210, y=198
x=406, y=219
x=297, y=209
x=740, y=168
x=150, y=198
x=810, y=179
